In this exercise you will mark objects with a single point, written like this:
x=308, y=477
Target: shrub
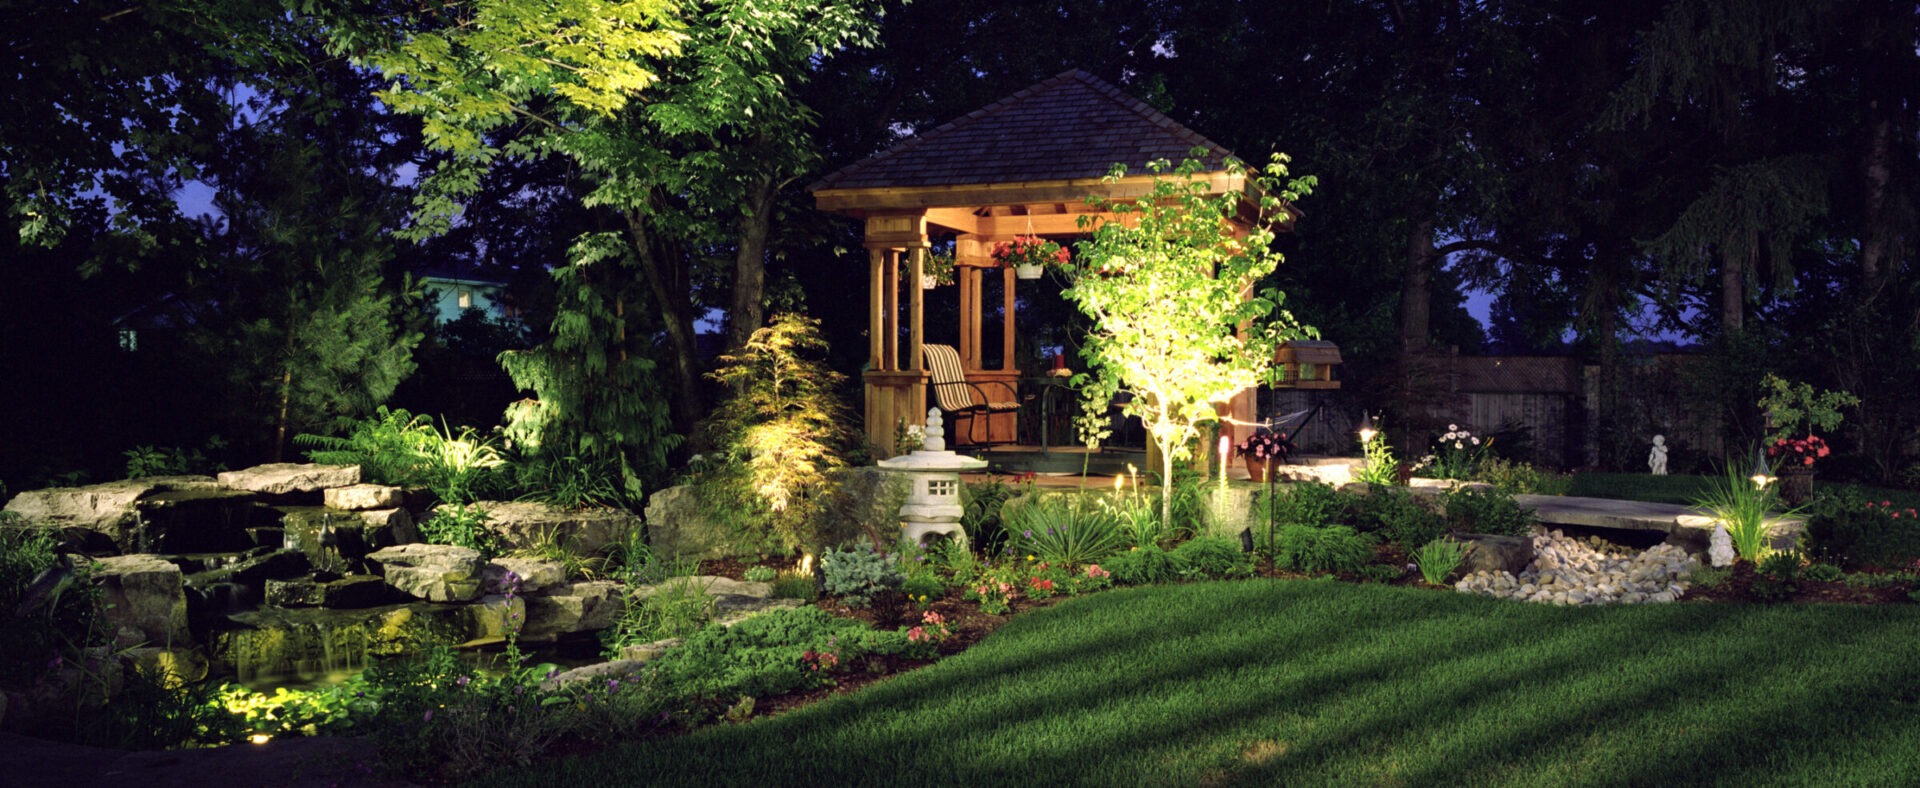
x=1855, y=533
x=1438, y=558
x=1471, y=511
x=981, y=516
x=1211, y=556
x=1822, y=573
x=462, y=525
x=1397, y=515
x=761, y=574
x=785, y=422
x=924, y=587
x=860, y=575
x=1142, y=565
x=1777, y=576
x=1335, y=548
x=1519, y=478
x=1065, y=529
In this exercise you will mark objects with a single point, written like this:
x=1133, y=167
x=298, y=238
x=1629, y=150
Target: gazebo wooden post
x=1006, y=333
x=916, y=332
x=876, y=309
x=892, y=327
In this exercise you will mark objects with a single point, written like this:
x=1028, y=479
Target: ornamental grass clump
x=1066, y=530
x=1743, y=506
x=1438, y=558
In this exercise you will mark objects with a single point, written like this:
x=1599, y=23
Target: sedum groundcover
x=1316, y=682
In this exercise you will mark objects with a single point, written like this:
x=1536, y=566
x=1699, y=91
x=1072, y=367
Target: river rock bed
x=1572, y=571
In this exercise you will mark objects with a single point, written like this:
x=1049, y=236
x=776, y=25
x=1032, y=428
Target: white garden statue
x=1720, y=549
x=1657, y=459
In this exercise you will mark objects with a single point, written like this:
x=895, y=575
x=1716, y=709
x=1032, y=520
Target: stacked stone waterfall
x=1571, y=571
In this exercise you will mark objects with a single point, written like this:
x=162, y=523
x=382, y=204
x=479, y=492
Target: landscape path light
x=1762, y=475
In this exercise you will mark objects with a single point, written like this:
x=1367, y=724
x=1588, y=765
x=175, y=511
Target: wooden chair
x=958, y=398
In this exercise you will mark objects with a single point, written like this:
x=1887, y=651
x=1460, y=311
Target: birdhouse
x=1307, y=364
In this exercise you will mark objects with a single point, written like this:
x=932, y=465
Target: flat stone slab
x=1686, y=524
x=282, y=478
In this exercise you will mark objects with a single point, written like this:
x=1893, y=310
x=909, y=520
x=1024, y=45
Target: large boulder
x=434, y=572
x=143, y=597
x=678, y=526
x=110, y=510
x=287, y=478
x=350, y=592
x=577, y=607
x=337, y=540
x=525, y=525
x=1495, y=554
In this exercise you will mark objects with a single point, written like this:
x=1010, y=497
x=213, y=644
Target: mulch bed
x=1738, y=587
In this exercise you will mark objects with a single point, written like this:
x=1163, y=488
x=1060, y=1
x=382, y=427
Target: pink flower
x=931, y=617
x=1094, y=571
x=917, y=635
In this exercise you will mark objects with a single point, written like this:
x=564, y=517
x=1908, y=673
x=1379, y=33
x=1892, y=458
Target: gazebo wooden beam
x=866, y=201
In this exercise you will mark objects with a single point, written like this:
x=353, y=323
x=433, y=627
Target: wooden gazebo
x=1024, y=165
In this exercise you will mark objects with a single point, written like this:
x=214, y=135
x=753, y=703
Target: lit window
x=129, y=340
x=466, y=298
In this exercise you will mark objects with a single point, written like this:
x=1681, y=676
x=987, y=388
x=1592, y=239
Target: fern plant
x=391, y=447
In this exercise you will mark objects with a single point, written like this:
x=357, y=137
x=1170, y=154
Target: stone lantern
x=933, y=504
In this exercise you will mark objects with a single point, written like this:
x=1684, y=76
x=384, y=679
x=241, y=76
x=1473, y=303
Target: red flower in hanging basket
x=1030, y=250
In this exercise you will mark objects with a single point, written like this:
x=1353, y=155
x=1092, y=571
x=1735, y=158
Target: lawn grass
x=1320, y=683
x=1682, y=489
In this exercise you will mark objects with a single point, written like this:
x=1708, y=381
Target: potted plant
x=939, y=270
x=1794, y=411
x=1029, y=255
x=1260, y=450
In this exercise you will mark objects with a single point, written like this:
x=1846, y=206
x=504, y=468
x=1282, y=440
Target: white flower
x=1452, y=427
x=1458, y=445
x=1476, y=441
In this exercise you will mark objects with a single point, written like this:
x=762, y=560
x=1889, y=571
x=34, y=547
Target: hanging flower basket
x=1029, y=255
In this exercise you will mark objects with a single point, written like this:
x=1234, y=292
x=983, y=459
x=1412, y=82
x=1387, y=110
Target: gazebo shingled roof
x=1024, y=165
x=1071, y=126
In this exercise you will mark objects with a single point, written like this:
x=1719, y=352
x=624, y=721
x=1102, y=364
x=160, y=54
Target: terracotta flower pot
x=1257, y=469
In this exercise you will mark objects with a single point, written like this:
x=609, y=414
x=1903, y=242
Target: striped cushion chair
x=956, y=397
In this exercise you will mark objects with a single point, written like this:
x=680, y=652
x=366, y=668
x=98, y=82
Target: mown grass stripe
x=1316, y=683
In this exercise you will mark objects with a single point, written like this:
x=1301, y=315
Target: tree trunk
x=672, y=294
x=1416, y=288
x=1733, y=296
x=286, y=402
x=1876, y=170
x=747, y=310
